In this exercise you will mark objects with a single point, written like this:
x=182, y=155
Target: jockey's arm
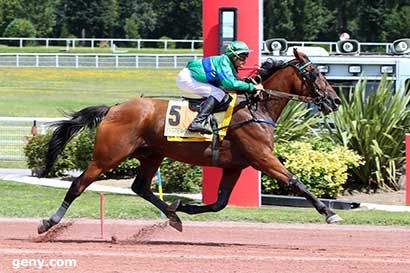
x=229, y=81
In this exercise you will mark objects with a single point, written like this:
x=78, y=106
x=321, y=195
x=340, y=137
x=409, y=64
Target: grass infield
x=45, y=92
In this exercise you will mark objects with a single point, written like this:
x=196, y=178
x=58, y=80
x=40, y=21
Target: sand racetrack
x=151, y=246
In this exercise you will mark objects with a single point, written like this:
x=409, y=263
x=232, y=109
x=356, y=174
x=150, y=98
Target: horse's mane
x=269, y=67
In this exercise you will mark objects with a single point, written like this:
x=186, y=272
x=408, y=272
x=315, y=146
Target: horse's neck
x=275, y=105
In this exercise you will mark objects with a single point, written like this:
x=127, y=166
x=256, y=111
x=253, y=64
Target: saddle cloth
x=179, y=116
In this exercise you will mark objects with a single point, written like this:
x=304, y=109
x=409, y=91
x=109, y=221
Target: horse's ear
x=296, y=53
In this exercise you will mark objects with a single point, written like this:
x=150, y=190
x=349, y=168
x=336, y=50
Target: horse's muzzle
x=329, y=103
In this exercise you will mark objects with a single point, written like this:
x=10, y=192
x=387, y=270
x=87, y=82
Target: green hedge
x=35, y=151
x=320, y=165
x=177, y=176
x=75, y=156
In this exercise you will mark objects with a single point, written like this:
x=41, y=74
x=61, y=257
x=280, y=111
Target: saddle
x=180, y=114
x=195, y=103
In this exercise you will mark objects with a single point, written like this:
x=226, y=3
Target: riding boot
x=205, y=109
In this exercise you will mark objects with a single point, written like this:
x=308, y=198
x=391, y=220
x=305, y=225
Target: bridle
x=308, y=79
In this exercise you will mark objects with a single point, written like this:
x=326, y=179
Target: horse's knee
x=296, y=186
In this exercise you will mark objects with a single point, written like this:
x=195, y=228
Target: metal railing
x=96, y=60
x=331, y=47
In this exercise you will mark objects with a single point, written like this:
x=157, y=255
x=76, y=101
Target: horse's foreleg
x=75, y=190
x=142, y=187
x=274, y=168
x=229, y=178
x=299, y=188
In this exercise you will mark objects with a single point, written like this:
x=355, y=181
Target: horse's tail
x=65, y=130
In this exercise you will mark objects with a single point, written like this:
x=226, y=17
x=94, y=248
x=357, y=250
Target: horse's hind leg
x=228, y=181
x=75, y=190
x=142, y=187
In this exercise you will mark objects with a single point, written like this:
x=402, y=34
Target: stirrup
x=199, y=129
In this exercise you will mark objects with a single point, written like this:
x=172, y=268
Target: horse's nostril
x=337, y=101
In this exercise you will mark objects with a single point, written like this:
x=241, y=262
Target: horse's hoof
x=174, y=206
x=176, y=223
x=43, y=226
x=333, y=219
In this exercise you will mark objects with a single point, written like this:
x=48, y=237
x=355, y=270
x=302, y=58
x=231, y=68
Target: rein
x=280, y=94
x=250, y=103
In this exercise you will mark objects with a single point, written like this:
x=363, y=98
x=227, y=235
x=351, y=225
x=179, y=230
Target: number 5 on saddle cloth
x=180, y=114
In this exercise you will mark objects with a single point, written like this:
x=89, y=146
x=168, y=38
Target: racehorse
x=136, y=129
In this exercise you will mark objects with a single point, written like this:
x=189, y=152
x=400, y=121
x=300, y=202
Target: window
x=227, y=27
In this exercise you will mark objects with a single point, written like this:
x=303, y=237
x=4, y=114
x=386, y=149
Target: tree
x=131, y=28
x=344, y=13
x=278, y=22
x=139, y=13
x=371, y=21
x=96, y=18
x=42, y=14
x=179, y=19
x=397, y=23
x=9, y=10
x=311, y=19
x=20, y=28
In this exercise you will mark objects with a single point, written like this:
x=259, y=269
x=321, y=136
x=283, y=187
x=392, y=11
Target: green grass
x=20, y=200
x=13, y=164
x=96, y=50
x=44, y=92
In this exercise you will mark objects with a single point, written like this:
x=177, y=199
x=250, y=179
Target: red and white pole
x=408, y=169
x=102, y=215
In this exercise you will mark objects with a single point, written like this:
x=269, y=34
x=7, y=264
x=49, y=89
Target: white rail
x=96, y=60
x=14, y=132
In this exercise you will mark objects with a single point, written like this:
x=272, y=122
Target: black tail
x=67, y=129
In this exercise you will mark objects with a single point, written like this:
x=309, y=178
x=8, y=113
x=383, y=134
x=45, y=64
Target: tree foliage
x=374, y=126
x=375, y=21
x=20, y=28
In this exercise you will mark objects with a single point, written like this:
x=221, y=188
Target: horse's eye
x=313, y=74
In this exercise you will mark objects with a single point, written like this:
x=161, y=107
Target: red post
x=102, y=215
x=408, y=169
x=249, y=30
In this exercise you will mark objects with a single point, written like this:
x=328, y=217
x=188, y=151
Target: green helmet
x=237, y=48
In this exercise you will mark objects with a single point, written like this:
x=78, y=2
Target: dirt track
x=148, y=246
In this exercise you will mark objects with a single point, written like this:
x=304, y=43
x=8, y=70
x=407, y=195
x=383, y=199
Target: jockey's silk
x=218, y=71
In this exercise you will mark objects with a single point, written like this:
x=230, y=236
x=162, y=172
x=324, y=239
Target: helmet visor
x=243, y=56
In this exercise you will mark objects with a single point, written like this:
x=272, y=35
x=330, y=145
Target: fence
x=96, y=60
x=93, y=42
x=14, y=133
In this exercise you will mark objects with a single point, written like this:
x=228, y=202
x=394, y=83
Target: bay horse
x=136, y=129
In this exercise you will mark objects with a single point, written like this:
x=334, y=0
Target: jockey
x=210, y=76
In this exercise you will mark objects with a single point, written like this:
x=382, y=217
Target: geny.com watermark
x=42, y=263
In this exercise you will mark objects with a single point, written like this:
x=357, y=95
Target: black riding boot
x=206, y=108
